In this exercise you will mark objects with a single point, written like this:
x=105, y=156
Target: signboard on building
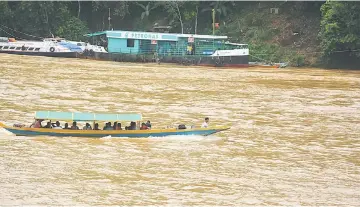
x=141, y=35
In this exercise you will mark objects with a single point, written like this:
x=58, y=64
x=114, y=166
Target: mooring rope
x=22, y=32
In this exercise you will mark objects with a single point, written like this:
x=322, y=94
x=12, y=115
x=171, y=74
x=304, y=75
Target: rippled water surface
x=294, y=138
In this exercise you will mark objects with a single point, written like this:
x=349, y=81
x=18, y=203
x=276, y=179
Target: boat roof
x=76, y=116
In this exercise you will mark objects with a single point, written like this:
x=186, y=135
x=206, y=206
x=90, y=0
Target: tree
x=191, y=10
x=173, y=9
x=79, y=9
x=45, y=17
x=146, y=9
x=72, y=29
x=4, y=18
x=340, y=28
x=221, y=8
x=100, y=12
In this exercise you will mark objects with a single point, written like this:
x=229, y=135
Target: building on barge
x=206, y=50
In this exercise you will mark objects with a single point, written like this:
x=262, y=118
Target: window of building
x=130, y=42
x=18, y=48
x=11, y=48
x=6, y=47
x=31, y=48
x=1, y=47
x=37, y=49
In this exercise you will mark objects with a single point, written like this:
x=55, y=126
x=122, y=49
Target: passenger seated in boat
x=115, y=125
x=118, y=126
x=132, y=126
x=37, y=123
x=148, y=124
x=143, y=126
x=48, y=125
x=74, y=127
x=87, y=127
x=96, y=126
x=57, y=125
x=66, y=126
x=108, y=126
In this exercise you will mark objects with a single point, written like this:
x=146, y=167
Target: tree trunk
x=47, y=22
x=103, y=23
x=179, y=15
x=196, y=18
x=79, y=9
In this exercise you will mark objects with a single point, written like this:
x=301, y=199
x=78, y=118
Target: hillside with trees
x=322, y=34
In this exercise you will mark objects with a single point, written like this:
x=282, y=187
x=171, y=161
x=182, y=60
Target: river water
x=294, y=138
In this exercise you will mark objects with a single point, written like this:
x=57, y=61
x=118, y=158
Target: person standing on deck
x=205, y=124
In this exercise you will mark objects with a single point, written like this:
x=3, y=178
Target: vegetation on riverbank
x=302, y=33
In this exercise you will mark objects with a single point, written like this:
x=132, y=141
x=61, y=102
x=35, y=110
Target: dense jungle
x=315, y=34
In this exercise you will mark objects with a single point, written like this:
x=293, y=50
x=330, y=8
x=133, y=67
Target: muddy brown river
x=294, y=140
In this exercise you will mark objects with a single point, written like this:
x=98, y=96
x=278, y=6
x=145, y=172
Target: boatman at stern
x=205, y=124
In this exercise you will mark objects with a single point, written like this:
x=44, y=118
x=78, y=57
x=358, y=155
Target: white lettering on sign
x=234, y=52
x=142, y=35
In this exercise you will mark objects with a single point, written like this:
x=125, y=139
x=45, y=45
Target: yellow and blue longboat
x=21, y=130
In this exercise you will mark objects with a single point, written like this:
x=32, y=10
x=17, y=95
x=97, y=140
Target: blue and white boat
x=37, y=48
x=77, y=46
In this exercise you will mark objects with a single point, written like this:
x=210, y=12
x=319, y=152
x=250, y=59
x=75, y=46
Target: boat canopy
x=74, y=116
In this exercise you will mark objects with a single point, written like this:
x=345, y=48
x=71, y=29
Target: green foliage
x=5, y=11
x=222, y=8
x=340, y=27
x=265, y=52
x=72, y=29
x=147, y=8
x=297, y=60
x=269, y=36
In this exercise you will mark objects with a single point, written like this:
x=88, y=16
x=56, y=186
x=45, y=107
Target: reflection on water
x=294, y=138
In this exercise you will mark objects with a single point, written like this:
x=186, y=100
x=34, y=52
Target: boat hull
x=112, y=133
x=224, y=61
x=47, y=54
x=208, y=61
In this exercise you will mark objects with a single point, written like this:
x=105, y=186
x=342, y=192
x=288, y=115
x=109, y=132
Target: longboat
x=21, y=130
